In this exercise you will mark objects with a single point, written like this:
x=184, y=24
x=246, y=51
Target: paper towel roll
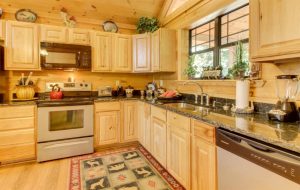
x=242, y=94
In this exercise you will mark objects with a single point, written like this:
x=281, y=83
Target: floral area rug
x=125, y=169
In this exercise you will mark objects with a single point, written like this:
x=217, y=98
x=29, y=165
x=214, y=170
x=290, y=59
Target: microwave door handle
x=78, y=59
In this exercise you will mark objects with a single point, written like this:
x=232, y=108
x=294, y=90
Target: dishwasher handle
x=284, y=164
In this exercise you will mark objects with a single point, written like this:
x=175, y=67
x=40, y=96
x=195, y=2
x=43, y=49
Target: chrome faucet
x=196, y=94
x=206, y=99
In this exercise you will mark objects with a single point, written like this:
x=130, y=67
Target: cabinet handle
x=110, y=128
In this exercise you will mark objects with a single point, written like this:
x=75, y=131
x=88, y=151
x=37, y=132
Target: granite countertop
x=285, y=135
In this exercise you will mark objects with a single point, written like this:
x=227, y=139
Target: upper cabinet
x=53, y=34
x=22, y=46
x=61, y=34
x=155, y=52
x=101, y=51
x=274, y=31
x=141, y=53
x=2, y=31
x=122, y=57
x=163, y=50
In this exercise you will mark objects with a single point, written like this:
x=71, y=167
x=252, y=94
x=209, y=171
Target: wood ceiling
x=123, y=12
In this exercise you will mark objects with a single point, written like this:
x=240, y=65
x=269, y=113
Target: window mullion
x=217, y=41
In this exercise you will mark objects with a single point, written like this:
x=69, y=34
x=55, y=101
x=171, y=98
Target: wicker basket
x=25, y=92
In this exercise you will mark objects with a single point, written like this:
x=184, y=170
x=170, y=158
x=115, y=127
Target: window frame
x=218, y=37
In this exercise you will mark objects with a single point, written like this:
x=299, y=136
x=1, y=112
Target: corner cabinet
x=101, y=51
x=130, y=121
x=203, y=157
x=144, y=124
x=122, y=56
x=274, y=30
x=22, y=46
x=141, y=52
x=2, y=29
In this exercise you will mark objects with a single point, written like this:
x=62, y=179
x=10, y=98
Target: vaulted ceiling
x=120, y=11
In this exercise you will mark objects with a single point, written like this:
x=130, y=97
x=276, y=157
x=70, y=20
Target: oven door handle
x=66, y=144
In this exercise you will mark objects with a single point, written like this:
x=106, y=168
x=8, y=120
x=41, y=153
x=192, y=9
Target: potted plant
x=238, y=72
x=146, y=24
x=191, y=69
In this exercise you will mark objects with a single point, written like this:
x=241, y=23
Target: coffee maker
x=285, y=110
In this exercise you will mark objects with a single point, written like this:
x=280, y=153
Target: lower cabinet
x=179, y=148
x=203, y=157
x=107, y=128
x=17, y=134
x=130, y=121
x=144, y=124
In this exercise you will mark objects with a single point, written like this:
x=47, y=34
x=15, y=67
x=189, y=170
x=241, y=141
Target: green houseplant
x=241, y=65
x=191, y=69
x=146, y=24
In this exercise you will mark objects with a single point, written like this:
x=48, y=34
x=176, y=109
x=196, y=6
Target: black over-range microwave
x=65, y=56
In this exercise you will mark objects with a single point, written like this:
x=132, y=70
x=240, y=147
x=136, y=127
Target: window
x=213, y=44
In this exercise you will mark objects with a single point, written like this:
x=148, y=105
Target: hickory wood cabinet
x=179, y=147
x=107, y=123
x=203, y=156
x=130, y=121
x=159, y=135
x=60, y=34
x=2, y=29
x=17, y=134
x=22, y=46
x=111, y=52
x=155, y=52
x=144, y=124
x=274, y=30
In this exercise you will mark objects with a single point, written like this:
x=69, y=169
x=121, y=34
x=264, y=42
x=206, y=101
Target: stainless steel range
x=65, y=126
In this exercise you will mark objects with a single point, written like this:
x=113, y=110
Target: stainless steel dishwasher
x=248, y=164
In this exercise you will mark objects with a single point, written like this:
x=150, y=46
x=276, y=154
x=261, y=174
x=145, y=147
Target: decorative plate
x=26, y=15
x=110, y=26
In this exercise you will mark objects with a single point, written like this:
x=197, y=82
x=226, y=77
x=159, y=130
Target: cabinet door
x=2, y=29
x=79, y=36
x=274, y=29
x=130, y=124
x=144, y=116
x=22, y=46
x=107, y=128
x=141, y=53
x=141, y=123
x=155, y=49
x=203, y=165
x=178, y=155
x=102, y=52
x=53, y=34
x=159, y=140
x=122, y=53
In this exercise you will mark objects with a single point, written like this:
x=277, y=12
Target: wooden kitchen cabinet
x=56, y=34
x=179, y=148
x=17, y=134
x=2, y=29
x=22, y=46
x=274, y=30
x=144, y=123
x=141, y=53
x=122, y=56
x=130, y=121
x=107, y=127
x=102, y=52
x=107, y=123
x=163, y=50
x=159, y=135
x=79, y=36
x=203, y=157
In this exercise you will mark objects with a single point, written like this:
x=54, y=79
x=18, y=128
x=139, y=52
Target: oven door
x=65, y=122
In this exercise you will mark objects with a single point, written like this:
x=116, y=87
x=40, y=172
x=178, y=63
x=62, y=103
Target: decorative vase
x=242, y=94
x=25, y=92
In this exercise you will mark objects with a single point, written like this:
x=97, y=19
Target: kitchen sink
x=188, y=107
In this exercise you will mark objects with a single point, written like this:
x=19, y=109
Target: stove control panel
x=69, y=86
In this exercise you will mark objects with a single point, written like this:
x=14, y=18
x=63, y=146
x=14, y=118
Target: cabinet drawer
x=179, y=121
x=14, y=137
x=204, y=131
x=159, y=113
x=15, y=153
x=13, y=124
x=107, y=106
x=16, y=112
